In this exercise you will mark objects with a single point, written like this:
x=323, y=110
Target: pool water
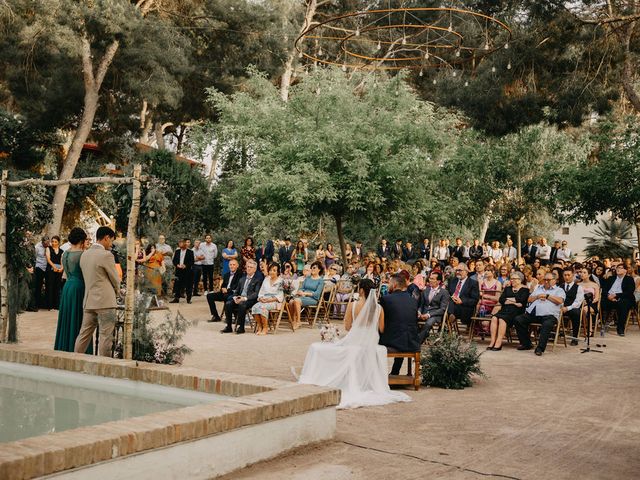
x=36, y=400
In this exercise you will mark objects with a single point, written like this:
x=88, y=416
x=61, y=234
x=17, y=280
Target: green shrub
x=450, y=362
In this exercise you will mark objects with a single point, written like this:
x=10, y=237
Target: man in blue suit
x=400, y=321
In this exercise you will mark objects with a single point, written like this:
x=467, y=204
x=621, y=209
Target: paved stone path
x=563, y=415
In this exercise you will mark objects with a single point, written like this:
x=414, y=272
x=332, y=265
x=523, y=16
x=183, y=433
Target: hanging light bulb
x=379, y=46
x=493, y=69
x=450, y=29
x=421, y=73
x=426, y=55
x=404, y=40
x=506, y=46
x=435, y=81
x=466, y=83
x=344, y=67
x=357, y=32
x=486, y=46
x=455, y=74
x=458, y=52
x=320, y=52
x=509, y=65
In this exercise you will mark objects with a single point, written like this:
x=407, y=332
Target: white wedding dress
x=356, y=364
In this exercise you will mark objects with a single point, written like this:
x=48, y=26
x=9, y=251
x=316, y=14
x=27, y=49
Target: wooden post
x=131, y=265
x=4, y=282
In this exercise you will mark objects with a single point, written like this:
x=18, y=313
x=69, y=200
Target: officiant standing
x=400, y=321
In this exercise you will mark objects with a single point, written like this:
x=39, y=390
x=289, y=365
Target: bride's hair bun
x=366, y=285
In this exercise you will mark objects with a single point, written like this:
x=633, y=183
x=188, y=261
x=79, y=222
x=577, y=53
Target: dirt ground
x=562, y=415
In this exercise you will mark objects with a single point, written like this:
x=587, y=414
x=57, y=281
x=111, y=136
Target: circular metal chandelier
x=404, y=38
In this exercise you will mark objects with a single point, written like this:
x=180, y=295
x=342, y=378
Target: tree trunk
x=637, y=224
x=181, y=131
x=343, y=245
x=131, y=265
x=628, y=71
x=4, y=283
x=146, y=123
x=285, y=80
x=485, y=226
x=159, y=134
x=92, y=83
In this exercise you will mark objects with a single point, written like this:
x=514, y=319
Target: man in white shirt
x=573, y=301
x=198, y=256
x=510, y=251
x=564, y=253
x=544, y=307
x=543, y=252
x=210, y=251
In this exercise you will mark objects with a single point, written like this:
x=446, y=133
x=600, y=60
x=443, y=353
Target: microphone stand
x=588, y=348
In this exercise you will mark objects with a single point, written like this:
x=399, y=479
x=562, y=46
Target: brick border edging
x=259, y=400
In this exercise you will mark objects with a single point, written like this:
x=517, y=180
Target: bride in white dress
x=356, y=364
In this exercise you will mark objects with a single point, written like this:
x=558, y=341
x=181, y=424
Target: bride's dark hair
x=366, y=285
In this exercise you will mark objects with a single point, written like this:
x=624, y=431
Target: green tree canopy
x=356, y=152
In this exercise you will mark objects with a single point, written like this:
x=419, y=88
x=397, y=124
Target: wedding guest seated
x=434, y=301
x=512, y=303
x=229, y=284
x=591, y=295
x=307, y=295
x=544, y=308
x=465, y=294
x=572, y=302
x=400, y=320
x=244, y=297
x=617, y=295
x=270, y=298
x=371, y=274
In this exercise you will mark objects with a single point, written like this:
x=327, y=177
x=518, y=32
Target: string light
x=344, y=67
x=509, y=65
x=421, y=73
x=435, y=81
x=320, y=52
x=493, y=69
x=506, y=46
x=450, y=29
x=426, y=55
x=379, y=45
x=455, y=74
x=357, y=32
x=404, y=40
x=466, y=83
x=457, y=52
x=486, y=46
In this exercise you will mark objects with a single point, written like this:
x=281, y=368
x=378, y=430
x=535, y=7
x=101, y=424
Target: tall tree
x=607, y=181
x=333, y=150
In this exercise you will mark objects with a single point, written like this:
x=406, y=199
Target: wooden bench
x=414, y=380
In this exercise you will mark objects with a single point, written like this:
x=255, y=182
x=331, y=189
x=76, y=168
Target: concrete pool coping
x=258, y=400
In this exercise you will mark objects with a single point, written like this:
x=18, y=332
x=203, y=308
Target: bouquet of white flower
x=329, y=333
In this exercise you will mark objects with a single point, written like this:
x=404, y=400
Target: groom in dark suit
x=244, y=297
x=433, y=303
x=229, y=284
x=400, y=321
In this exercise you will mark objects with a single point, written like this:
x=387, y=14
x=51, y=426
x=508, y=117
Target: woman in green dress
x=70, y=311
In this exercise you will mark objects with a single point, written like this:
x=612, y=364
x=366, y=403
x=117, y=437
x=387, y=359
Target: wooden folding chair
x=475, y=321
x=335, y=304
x=633, y=313
x=313, y=311
x=275, y=317
x=559, y=327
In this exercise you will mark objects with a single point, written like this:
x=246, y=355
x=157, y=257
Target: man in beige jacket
x=101, y=285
